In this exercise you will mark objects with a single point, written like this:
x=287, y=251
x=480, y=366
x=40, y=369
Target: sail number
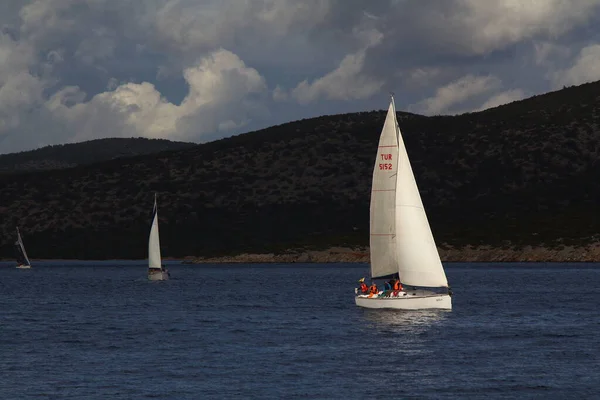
x=386, y=166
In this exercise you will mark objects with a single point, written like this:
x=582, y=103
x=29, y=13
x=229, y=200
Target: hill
x=521, y=174
x=92, y=151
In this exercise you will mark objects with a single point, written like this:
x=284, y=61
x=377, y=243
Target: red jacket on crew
x=397, y=285
x=363, y=287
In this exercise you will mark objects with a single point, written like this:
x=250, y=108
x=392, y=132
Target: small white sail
x=383, y=197
x=419, y=262
x=22, y=258
x=154, y=259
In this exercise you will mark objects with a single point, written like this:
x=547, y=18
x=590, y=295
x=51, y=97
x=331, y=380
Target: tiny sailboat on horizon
x=402, y=247
x=156, y=271
x=21, y=255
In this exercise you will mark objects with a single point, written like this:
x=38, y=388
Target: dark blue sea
x=100, y=330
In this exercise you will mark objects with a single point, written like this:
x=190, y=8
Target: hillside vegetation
x=521, y=174
x=92, y=151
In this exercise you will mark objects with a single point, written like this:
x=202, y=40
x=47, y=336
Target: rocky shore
x=587, y=253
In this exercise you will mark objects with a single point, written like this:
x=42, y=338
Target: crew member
x=373, y=288
x=397, y=286
x=364, y=289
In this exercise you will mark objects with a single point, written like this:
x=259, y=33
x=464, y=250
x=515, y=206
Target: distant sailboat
x=22, y=259
x=156, y=271
x=401, y=241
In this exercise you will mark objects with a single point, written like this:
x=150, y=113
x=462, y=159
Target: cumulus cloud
x=586, y=68
x=50, y=24
x=463, y=95
x=348, y=81
x=501, y=98
x=80, y=69
x=185, y=26
x=546, y=51
x=421, y=76
x=344, y=83
x=456, y=93
x=504, y=22
x=19, y=89
x=279, y=94
x=218, y=86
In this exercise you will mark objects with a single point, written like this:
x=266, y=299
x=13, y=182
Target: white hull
x=23, y=266
x=158, y=276
x=411, y=300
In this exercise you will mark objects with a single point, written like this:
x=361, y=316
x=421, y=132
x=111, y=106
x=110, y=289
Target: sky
x=199, y=70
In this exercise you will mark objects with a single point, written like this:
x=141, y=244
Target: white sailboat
x=156, y=271
x=22, y=259
x=401, y=240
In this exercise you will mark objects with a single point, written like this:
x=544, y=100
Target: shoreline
x=587, y=253
x=483, y=254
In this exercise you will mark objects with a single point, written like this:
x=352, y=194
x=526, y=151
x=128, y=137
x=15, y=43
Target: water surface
x=100, y=330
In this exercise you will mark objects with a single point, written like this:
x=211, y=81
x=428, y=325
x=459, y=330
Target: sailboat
x=156, y=271
x=401, y=242
x=22, y=259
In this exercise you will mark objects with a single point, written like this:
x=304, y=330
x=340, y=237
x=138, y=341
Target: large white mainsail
x=22, y=259
x=419, y=262
x=383, y=249
x=154, y=260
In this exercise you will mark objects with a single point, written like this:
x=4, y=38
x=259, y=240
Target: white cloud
x=14, y=57
x=80, y=69
x=420, y=76
x=218, y=86
x=348, y=81
x=99, y=45
x=85, y=31
x=586, y=68
x=416, y=80
x=112, y=84
x=456, y=93
x=546, y=51
x=20, y=91
x=41, y=19
x=279, y=94
x=505, y=97
x=189, y=25
x=17, y=97
x=492, y=25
